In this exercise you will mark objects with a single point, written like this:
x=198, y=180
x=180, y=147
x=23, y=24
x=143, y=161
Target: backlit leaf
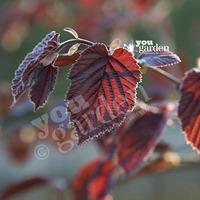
x=189, y=107
x=44, y=80
x=102, y=91
x=137, y=136
x=92, y=181
x=137, y=140
x=44, y=54
x=158, y=59
x=101, y=181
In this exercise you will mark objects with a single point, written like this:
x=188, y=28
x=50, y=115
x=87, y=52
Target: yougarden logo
x=142, y=46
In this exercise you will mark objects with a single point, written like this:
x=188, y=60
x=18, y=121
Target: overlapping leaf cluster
x=101, y=101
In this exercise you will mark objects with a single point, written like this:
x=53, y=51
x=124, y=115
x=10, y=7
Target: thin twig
x=71, y=42
x=167, y=75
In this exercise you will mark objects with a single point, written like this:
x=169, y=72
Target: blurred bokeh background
x=23, y=23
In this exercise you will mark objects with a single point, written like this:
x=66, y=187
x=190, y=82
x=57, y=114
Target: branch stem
x=167, y=75
x=71, y=42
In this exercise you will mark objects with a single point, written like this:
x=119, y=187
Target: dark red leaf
x=189, y=107
x=79, y=184
x=92, y=181
x=158, y=59
x=138, y=135
x=64, y=59
x=22, y=186
x=43, y=84
x=103, y=90
x=108, y=142
x=101, y=181
x=42, y=55
x=136, y=141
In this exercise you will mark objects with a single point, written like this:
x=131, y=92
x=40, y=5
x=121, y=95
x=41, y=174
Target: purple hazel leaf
x=158, y=59
x=44, y=80
x=189, y=108
x=93, y=180
x=137, y=141
x=44, y=54
x=102, y=91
